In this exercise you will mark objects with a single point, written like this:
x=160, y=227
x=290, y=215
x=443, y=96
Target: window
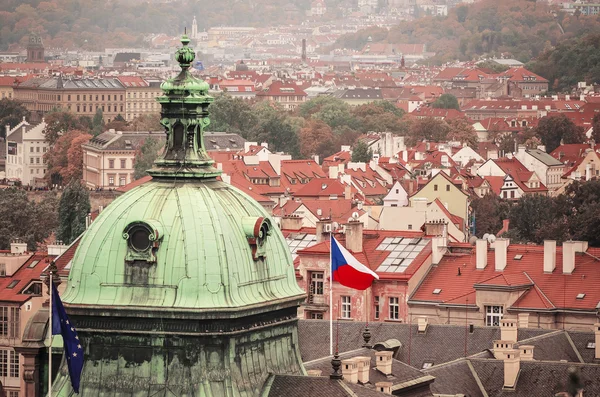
x=512, y=194
x=316, y=283
x=409, y=227
x=427, y=364
x=2, y=269
x=493, y=315
x=122, y=181
x=37, y=160
x=111, y=181
x=397, y=191
x=37, y=149
x=111, y=163
x=435, y=188
x=394, y=308
x=31, y=149
x=123, y=162
x=77, y=97
x=13, y=393
x=376, y=308
x=447, y=188
x=316, y=316
x=68, y=97
x=14, y=364
x=10, y=325
x=31, y=160
x=346, y=307
x=3, y=362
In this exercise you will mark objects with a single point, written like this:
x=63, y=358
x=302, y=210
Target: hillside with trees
x=521, y=29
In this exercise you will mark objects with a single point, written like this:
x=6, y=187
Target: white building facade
x=25, y=149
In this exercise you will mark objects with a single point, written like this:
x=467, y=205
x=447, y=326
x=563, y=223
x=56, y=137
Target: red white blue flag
x=347, y=270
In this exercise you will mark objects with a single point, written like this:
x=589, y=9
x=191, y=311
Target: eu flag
x=73, y=349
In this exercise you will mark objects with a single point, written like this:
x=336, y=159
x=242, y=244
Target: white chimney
x=18, y=247
x=422, y=324
x=384, y=387
x=597, y=340
x=438, y=249
x=512, y=366
x=508, y=329
x=364, y=366
x=501, y=248
x=526, y=352
x=383, y=360
x=56, y=249
x=523, y=320
x=567, y=97
x=549, y=256
x=481, y=247
x=501, y=347
x=568, y=251
x=350, y=370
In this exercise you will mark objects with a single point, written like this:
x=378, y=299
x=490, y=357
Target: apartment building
x=25, y=149
x=140, y=96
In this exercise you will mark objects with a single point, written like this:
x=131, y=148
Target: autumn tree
x=596, y=128
x=552, y=130
x=98, y=122
x=11, y=113
x=73, y=208
x=489, y=212
x=146, y=122
x=316, y=137
x=461, y=130
x=145, y=156
x=65, y=158
x=59, y=122
x=361, y=152
x=427, y=129
x=380, y=116
x=446, y=101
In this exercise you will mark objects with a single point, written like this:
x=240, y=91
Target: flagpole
x=330, y=294
x=50, y=333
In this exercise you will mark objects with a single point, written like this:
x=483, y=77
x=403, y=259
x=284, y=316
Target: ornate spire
x=184, y=115
x=367, y=337
x=336, y=363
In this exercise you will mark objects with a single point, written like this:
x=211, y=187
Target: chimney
x=568, y=256
x=526, y=352
x=350, y=370
x=348, y=192
x=508, y=329
x=100, y=208
x=314, y=372
x=597, y=340
x=56, y=249
x=500, y=248
x=481, y=247
x=438, y=249
x=549, y=256
x=501, y=347
x=364, y=366
x=291, y=222
x=383, y=361
x=18, y=247
x=384, y=387
x=512, y=366
x=323, y=230
x=523, y=320
x=354, y=236
x=422, y=324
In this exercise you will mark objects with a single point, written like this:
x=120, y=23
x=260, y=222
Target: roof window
x=13, y=284
x=580, y=296
x=437, y=291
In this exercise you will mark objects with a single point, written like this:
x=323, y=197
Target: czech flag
x=348, y=271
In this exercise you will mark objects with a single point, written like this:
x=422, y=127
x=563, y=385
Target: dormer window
x=143, y=240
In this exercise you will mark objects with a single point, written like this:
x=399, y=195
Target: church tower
x=183, y=286
x=35, y=49
x=194, y=29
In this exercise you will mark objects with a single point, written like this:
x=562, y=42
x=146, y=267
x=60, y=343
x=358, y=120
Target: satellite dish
x=355, y=215
x=491, y=238
x=486, y=236
x=472, y=240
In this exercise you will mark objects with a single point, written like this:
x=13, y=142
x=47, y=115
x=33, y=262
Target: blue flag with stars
x=73, y=349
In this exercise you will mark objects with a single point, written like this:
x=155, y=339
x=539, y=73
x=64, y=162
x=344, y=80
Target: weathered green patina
x=182, y=286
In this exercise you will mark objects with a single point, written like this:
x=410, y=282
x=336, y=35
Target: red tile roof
x=321, y=187
x=28, y=272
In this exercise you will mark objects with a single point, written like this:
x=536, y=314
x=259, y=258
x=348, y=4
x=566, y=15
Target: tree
x=98, y=122
x=596, y=128
x=65, y=158
x=59, y=122
x=316, y=138
x=73, y=209
x=361, y=153
x=553, y=130
x=11, y=113
x=535, y=218
x=489, y=212
x=380, y=116
x=335, y=113
x=446, y=101
x=146, y=122
x=461, y=130
x=25, y=220
x=233, y=115
x=145, y=156
x=428, y=129
x=275, y=128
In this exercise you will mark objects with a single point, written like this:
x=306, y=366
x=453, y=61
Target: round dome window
x=139, y=238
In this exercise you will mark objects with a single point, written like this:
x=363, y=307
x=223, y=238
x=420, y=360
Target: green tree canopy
x=446, y=101
x=361, y=153
x=489, y=212
x=98, y=122
x=145, y=156
x=428, y=129
x=11, y=113
x=73, y=209
x=228, y=114
x=275, y=128
x=552, y=130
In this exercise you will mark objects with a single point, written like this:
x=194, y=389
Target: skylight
x=437, y=291
x=32, y=265
x=580, y=296
x=427, y=364
x=13, y=284
x=298, y=241
x=518, y=257
x=402, y=251
x=591, y=345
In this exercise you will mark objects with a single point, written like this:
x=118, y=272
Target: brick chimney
x=350, y=370
x=481, y=247
x=323, y=230
x=383, y=360
x=526, y=352
x=508, y=329
x=523, y=320
x=549, y=256
x=364, y=366
x=512, y=367
x=347, y=192
x=597, y=340
x=291, y=222
x=354, y=236
x=501, y=248
x=384, y=387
